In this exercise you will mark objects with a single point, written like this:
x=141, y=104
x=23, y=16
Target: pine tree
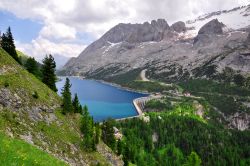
x=32, y=66
x=8, y=45
x=108, y=134
x=119, y=147
x=76, y=104
x=88, y=130
x=193, y=160
x=66, y=94
x=48, y=72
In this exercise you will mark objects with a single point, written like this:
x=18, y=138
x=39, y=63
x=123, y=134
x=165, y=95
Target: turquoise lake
x=103, y=100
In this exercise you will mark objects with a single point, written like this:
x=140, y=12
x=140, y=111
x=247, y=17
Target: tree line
x=45, y=72
x=89, y=128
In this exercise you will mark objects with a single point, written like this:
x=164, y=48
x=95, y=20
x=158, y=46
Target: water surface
x=103, y=100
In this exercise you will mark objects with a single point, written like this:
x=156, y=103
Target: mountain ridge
x=158, y=44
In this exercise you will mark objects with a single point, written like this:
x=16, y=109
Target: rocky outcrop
x=179, y=27
x=208, y=32
x=135, y=33
x=170, y=53
x=9, y=100
x=240, y=121
x=212, y=27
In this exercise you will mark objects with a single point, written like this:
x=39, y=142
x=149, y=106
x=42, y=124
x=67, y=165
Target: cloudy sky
x=66, y=27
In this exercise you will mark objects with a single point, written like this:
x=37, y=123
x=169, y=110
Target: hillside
x=38, y=121
x=201, y=48
x=22, y=56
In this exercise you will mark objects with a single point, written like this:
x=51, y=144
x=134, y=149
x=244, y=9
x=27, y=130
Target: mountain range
x=199, y=48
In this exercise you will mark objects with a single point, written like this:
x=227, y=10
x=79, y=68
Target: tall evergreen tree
x=8, y=44
x=48, y=72
x=66, y=94
x=76, y=104
x=88, y=130
x=32, y=66
x=108, y=134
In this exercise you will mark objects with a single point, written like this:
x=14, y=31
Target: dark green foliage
x=170, y=155
x=32, y=66
x=247, y=82
x=119, y=147
x=108, y=134
x=48, y=72
x=182, y=140
x=209, y=86
x=224, y=96
x=35, y=95
x=158, y=104
x=193, y=160
x=125, y=78
x=66, y=94
x=6, y=84
x=8, y=44
x=76, y=105
x=227, y=75
x=149, y=86
x=239, y=80
x=91, y=136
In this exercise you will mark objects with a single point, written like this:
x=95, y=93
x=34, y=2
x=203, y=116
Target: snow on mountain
x=233, y=19
x=200, y=48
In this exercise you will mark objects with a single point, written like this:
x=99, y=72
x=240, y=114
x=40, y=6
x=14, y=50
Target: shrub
x=6, y=84
x=35, y=95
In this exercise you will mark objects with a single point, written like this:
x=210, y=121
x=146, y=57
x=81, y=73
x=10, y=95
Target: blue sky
x=24, y=30
x=66, y=27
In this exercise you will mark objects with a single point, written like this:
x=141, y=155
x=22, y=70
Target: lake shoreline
x=134, y=102
x=112, y=84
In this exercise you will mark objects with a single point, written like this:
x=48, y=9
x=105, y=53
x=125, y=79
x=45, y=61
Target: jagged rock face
x=134, y=33
x=239, y=121
x=212, y=27
x=179, y=27
x=176, y=52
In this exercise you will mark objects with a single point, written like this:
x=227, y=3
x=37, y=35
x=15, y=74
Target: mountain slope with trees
x=31, y=111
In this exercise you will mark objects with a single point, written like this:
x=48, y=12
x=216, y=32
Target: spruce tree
x=108, y=134
x=8, y=44
x=48, y=72
x=87, y=130
x=76, y=104
x=66, y=94
x=32, y=66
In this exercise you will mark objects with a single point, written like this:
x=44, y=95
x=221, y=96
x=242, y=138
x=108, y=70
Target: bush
x=35, y=95
x=6, y=84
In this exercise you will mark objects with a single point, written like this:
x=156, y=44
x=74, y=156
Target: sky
x=66, y=27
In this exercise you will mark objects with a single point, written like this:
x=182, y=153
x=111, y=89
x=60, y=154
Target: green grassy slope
x=17, y=78
x=17, y=152
x=57, y=134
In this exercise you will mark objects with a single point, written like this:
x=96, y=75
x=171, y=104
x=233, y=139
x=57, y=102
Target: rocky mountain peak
x=161, y=24
x=136, y=33
x=179, y=27
x=212, y=27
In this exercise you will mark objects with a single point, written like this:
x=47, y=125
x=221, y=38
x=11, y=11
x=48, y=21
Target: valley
x=141, y=94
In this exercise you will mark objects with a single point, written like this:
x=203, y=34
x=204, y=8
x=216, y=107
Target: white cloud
x=63, y=19
x=41, y=47
x=58, y=31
